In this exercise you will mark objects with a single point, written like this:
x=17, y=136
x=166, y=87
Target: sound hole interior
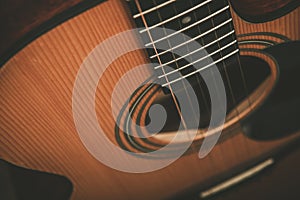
x=259, y=76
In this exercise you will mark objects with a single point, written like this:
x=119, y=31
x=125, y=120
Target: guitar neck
x=207, y=22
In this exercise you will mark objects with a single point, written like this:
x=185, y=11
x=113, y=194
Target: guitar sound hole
x=256, y=73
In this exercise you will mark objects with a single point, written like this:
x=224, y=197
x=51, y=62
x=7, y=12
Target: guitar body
x=36, y=120
x=257, y=11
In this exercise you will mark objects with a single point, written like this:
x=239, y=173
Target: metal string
x=159, y=60
x=224, y=65
x=176, y=63
x=241, y=68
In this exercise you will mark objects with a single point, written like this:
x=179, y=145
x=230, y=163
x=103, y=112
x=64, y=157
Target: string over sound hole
x=260, y=78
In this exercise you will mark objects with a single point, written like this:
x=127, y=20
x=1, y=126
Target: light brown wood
x=36, y=120
x=287, y=26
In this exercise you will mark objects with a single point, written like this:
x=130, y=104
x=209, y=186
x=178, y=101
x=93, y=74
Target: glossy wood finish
x=19, y=17
x=23, y=21
x=36, y=121
x=256, y=7
x=287, y=26
x=260, y=11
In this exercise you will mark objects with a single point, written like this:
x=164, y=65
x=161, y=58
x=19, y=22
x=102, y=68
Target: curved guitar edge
x=46, y=18
x=279, y=115
x=263, y=11
x=21, y=183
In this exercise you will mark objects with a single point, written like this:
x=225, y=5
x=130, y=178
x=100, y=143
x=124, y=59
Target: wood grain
x=21, y=17
x=36, y=119
x=287, y=26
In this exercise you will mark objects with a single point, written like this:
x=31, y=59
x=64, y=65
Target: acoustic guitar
x=149, y=99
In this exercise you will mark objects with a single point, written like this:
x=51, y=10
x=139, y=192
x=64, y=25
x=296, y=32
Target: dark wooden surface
x=258, y=10
x=254, y=7
x=19, y=17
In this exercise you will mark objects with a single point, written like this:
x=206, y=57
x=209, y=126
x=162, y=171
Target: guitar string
x=159, y=60
x=191, y=58
x=241, y=68
x=224, y=67
x=206, y=60
x=191, y=25
x=197, y=78
x=177, y=65
x=195, y=38
x=209, y=69
x=216, y=33
x=227, y=77
x=223, y=62
x=174, y=17
x=154, y=8
x=207, y=107
x=193, y=149
x=244, y=82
